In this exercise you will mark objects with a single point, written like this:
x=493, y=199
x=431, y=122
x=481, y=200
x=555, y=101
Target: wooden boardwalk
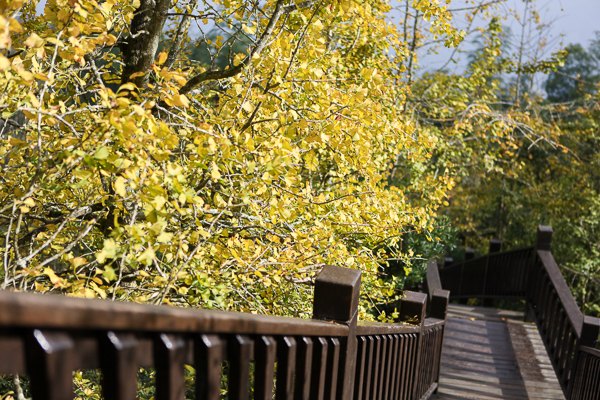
x=492, y=354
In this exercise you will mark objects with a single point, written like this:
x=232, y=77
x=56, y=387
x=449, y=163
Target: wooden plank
x=500, y=359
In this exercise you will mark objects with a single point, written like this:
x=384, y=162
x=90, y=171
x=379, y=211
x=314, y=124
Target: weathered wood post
x=544, y=237
x=469, y=254
x=543, y=243
x=337, y=292
x=495, y=246
x=412, y=308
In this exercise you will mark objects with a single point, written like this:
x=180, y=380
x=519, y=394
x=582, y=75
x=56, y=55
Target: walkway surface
x=492, y=354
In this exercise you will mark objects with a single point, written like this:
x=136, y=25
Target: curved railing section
x=533, y=275
x=332, y=356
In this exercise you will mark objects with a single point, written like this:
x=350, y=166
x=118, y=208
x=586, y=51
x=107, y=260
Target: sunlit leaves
x=231, y=196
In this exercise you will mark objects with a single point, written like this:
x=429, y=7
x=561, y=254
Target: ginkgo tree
x=130, y=173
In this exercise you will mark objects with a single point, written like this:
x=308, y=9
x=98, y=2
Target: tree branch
x=280, y=10
x=184, y=24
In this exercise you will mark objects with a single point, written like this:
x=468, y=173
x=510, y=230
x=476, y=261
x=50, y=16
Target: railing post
x=469, y=254
x=495, y=246
x=543, y=242
x=589, y=331
x=439, y=304
x=412, y=309
x=337, y=292
x=439, y=309
x=544, y=237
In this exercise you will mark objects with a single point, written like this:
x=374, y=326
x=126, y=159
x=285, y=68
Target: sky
x=572, y=21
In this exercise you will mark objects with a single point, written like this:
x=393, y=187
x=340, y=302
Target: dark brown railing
x=332, y=356
x=533, y=275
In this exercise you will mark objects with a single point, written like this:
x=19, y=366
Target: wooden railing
x=332, y=356
x=533, y=275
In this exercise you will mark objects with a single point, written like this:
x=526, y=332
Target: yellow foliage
x=224, y=187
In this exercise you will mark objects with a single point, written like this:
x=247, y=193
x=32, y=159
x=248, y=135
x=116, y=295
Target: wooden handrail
x=332, y=356
x=29, y=310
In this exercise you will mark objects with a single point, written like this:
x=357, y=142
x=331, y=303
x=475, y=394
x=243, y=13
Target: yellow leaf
x=162, y=57
x=247, y=106
x=29, y=202
x=238, y=59
x=98, y=290
x=4, y=63
x=147, y=256
x=128, y=86
x=120, y=186
x=181, y=100
x=34, y=41
x=203, y=233
x=52, y=276
x=250, y=30
x=164, y=237
x=78, y=261
x=214, y=172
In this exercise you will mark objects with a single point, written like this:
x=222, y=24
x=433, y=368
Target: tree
x=519, y=164
x=579, y=75
x=219, y=184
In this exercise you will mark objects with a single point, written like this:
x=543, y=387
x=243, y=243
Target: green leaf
x=109, y=274
x=102, y=153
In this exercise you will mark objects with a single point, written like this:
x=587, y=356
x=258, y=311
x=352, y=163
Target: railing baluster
x=304, y=361
x=170, y=354
x=332, y=375
x=569, y=359
x=208, y=358
x=49, y=358
x=382, y=366
x=369, y=367
x=239, y=355
x=388, y=366
x=376, y=368
x=264, y=367
x=119, y=364
x=395, y=360
x=555, y=335
x=286, y=366
x=401, y=372
x=360, y=367
x=319, y=369
x=564, y=348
